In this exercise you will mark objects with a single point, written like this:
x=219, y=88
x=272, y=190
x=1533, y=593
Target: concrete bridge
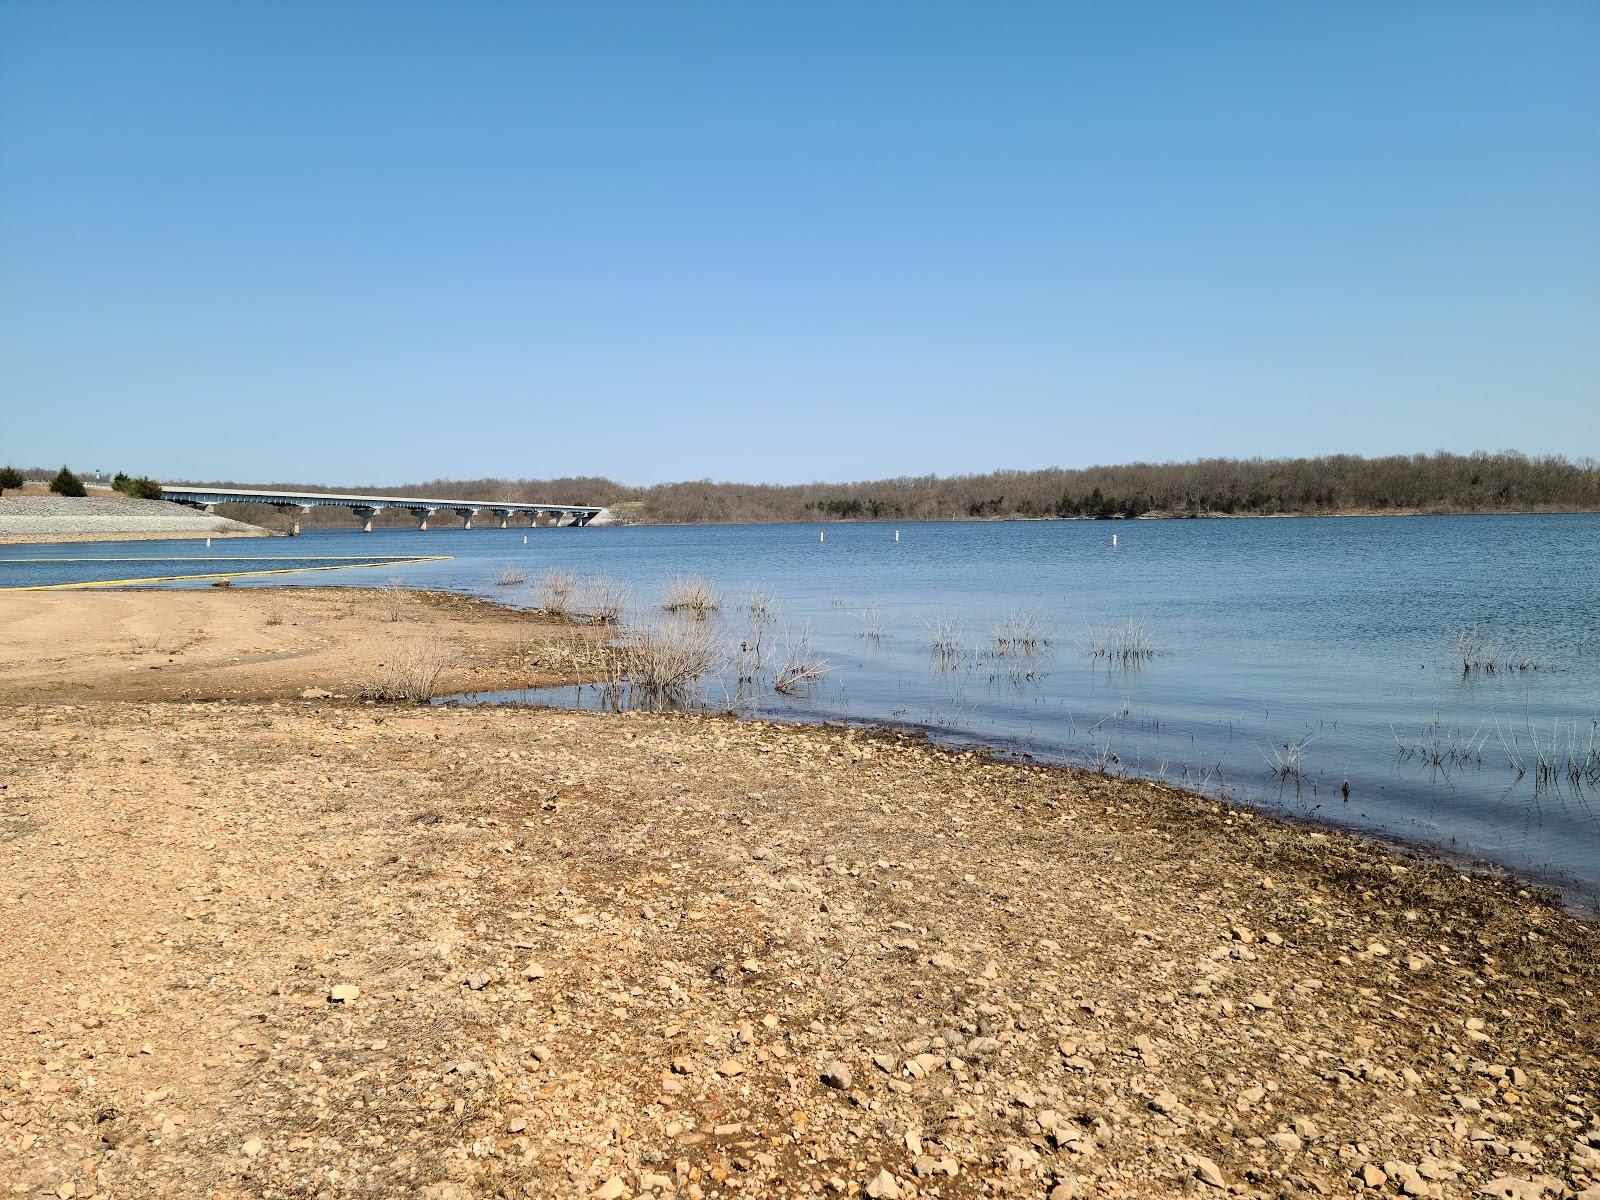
x=367, y=507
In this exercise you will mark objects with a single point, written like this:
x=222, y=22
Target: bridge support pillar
x=365, y=515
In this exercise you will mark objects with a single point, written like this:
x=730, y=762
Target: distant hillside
x=1437, y=483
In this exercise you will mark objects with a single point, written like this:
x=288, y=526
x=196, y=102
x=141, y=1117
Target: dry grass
x=692, y=595
x=667, y=658
x=1441, y=746
x=871, y=624
x=945, y=638
x=411, y=672
x=556, y=591
x=1020, y=633
x=1288, y=761
x=393, y=603
x=1124, y=640
x=1479, y=652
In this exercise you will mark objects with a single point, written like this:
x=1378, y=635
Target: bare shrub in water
x=604, y=600
x=511, y=577
x=1125, y=640
x=758, y=606
x=667, y=658
x=556, y=591
x=691, y=595
x=798, y=664
x=409, y=673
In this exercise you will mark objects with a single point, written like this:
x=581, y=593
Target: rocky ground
x=285, y=947
x=109, y=515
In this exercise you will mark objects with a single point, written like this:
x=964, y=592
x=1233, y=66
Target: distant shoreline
x=1152, y=516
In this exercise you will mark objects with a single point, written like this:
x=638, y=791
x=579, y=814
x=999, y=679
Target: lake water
x=1321, y=639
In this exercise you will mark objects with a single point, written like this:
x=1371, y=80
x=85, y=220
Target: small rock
x=611, y=1189
x=343, y=993
x=315, y=694
x=533, y=971
x=884, y=1186
x=837, y=1075
x=1207, y=1171
x=251, y=1148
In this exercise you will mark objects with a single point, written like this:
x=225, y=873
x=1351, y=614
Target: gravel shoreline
x=315, y=946
x=37, y=519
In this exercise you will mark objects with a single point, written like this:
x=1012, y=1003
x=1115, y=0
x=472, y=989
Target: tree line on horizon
x=1441, y=482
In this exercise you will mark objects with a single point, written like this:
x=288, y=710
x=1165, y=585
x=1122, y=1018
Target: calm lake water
x=1335, y=637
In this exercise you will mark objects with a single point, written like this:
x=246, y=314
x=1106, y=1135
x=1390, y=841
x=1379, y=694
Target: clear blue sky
x=384, y=242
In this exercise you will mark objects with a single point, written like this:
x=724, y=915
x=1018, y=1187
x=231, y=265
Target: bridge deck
x=210, y=495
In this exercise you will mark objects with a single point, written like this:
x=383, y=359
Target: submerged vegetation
x=691, y=595
x=1479, y=652
x=1125, y=641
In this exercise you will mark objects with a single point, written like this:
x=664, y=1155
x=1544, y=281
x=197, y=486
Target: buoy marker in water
x=897, y=535
x=524, y=539
x=1113, y=541
x=822, y=535
x=208, y=543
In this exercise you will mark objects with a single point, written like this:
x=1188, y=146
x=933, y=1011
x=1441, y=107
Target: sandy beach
x=254, y=944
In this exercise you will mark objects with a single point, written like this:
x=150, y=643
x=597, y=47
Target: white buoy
x=897, y=535
x=208, y=543
x=524, y=539
x=1113, y=541
x=822, y=535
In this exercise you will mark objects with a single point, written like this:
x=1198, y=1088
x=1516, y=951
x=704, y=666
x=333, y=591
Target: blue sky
x=385, y=242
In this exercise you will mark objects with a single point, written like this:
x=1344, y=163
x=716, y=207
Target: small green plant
x=67, y=484
x=10, y=477
x=141, y=487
